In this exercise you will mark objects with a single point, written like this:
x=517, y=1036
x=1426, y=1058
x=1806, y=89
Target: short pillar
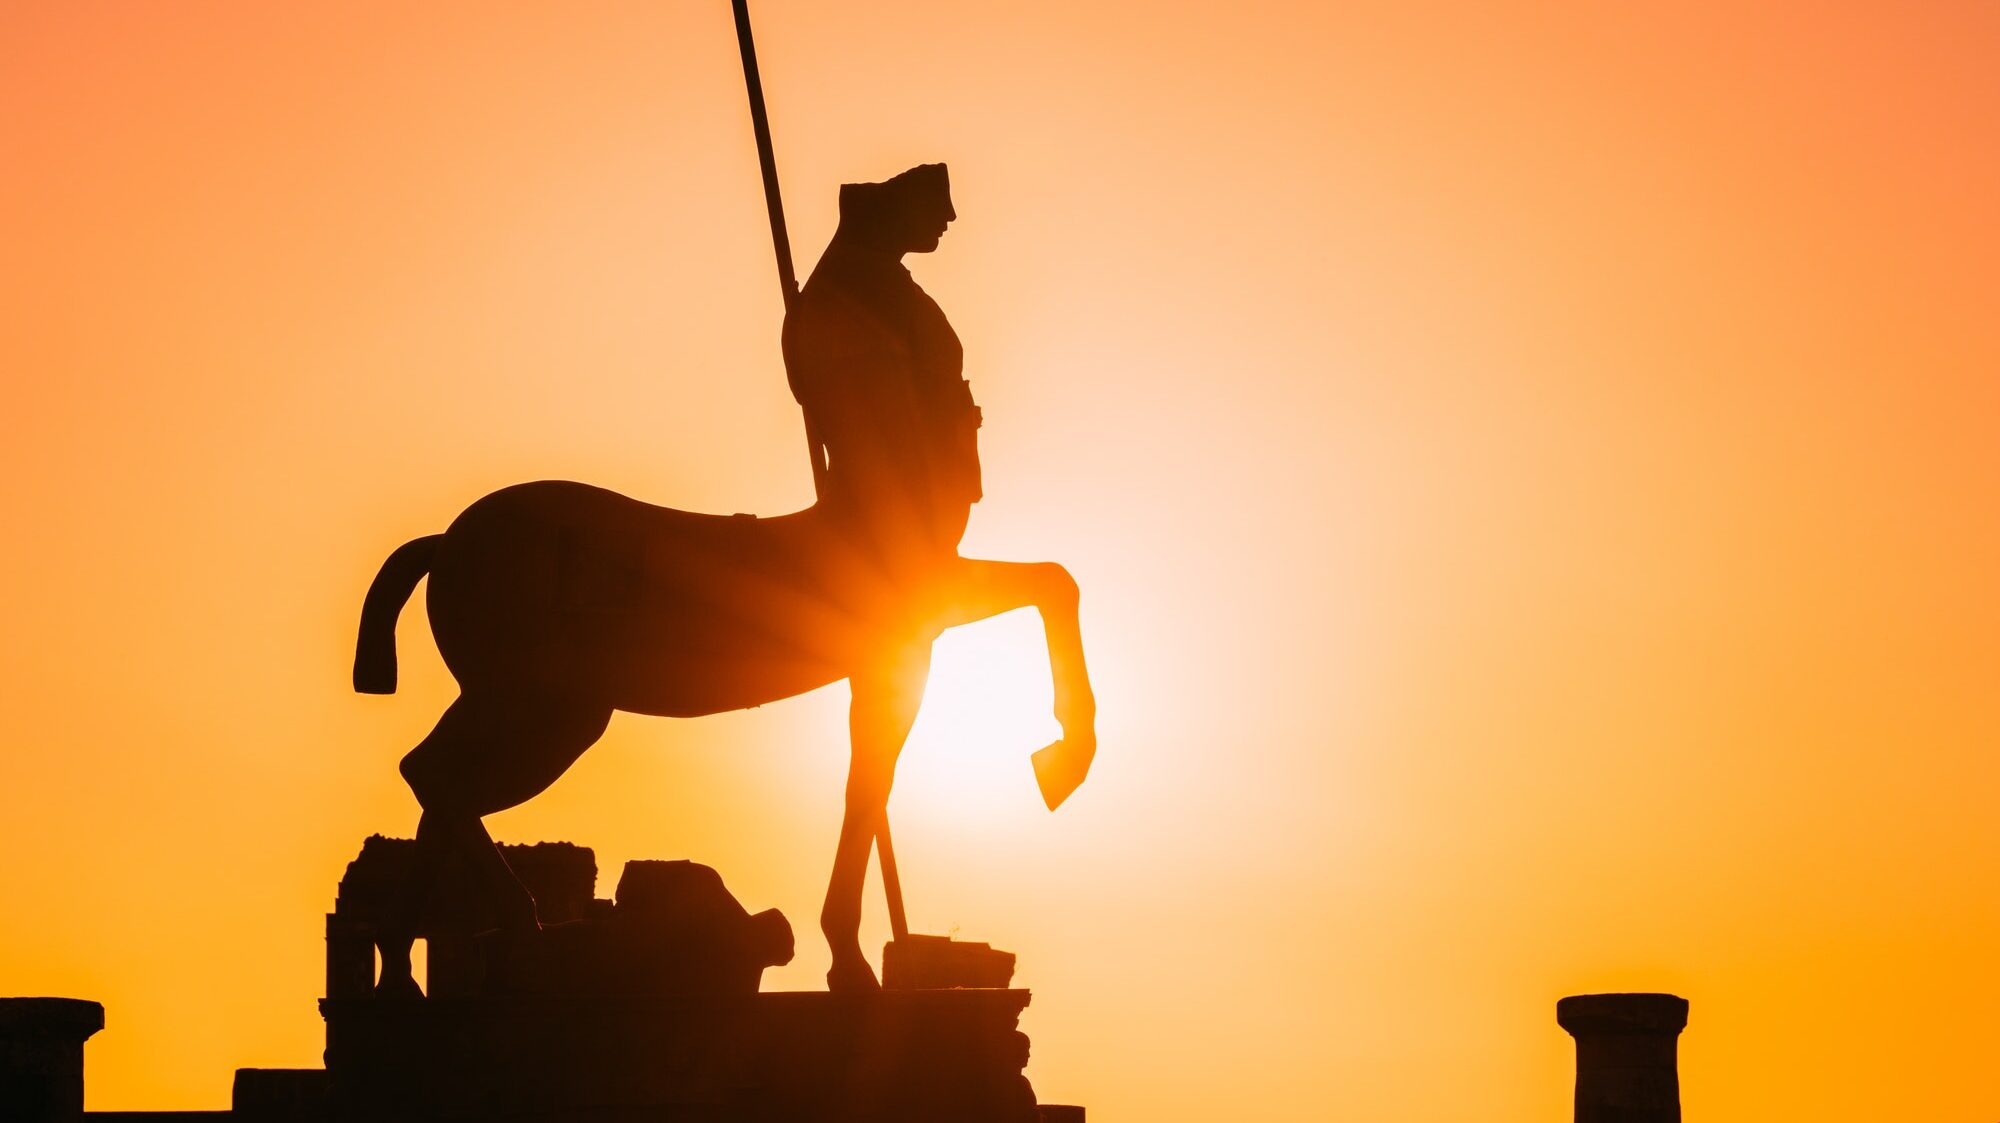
x=41, y=1056
x=1626, y=1067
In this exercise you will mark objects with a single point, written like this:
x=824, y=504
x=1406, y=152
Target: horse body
x=573, y=592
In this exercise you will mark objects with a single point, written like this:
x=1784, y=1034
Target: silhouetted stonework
x=279, y=1095
x=378, y=884
x=895, y=1056
x=1627, y=1070
x=643, y=1008
x=917, y=962
x=41, y=1056
x=675, y=930
x=648, y=1007
x=378, y=889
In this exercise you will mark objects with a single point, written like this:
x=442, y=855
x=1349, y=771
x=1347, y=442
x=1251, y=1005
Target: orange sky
x=1534, y=471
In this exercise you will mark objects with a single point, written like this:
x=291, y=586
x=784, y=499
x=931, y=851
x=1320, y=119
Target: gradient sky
x=1534, y=472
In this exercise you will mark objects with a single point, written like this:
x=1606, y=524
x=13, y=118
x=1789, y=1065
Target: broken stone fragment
x=673, y=929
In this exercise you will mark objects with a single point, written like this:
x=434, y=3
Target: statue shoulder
x=827, y=321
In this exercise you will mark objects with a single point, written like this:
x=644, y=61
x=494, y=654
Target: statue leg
x=486, y=754
x=989, y=588
x=886, y=698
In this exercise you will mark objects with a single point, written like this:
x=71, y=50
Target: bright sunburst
x=986, y=709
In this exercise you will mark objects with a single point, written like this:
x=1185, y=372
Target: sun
x=987, y=707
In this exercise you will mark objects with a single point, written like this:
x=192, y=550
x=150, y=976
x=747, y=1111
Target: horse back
x=566, y=587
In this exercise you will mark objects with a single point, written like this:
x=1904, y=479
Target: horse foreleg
x=885, y=703
x=989, y=588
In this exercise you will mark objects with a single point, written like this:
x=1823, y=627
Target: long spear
x=788, y=284
x=760, y=122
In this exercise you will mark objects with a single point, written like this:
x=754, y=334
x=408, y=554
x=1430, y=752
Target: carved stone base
x=915, y=1056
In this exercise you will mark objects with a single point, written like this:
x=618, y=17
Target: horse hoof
x=852, y=978
x=1059, y=770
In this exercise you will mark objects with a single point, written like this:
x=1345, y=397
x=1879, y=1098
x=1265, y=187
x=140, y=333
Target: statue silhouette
x=555, y=603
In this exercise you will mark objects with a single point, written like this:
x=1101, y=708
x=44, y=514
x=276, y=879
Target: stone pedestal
x=278, y=1095
x=1627, y=1070
x=646, y=1008
x=41, y=1057
x=890, y=1057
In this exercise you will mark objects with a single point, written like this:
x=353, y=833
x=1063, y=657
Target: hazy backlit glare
x=1532, y=470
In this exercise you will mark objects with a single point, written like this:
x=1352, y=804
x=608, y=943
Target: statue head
x=905, y=214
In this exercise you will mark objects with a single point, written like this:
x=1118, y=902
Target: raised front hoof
x=852, y=976
x=1060, y=769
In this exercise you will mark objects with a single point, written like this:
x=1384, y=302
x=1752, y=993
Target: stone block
x=1627, y=1070
x=41, y=1056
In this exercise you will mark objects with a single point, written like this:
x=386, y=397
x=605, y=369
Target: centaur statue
x=555, y=603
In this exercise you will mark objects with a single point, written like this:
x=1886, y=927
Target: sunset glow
x=1533, y=472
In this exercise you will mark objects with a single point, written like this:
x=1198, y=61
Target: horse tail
x=375, y=649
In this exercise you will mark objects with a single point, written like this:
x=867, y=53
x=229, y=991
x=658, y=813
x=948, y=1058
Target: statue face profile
x=904, y=214
x=927, y=211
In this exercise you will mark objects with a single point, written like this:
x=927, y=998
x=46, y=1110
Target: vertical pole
x=774, y=204
x=892, y=883
x=760, y=123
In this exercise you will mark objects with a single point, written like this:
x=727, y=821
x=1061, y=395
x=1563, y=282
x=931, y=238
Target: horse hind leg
x=886, y=698
x=487, y=753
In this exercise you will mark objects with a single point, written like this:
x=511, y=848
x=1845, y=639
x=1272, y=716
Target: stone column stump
x=1626, y=1067
x=41, y=1057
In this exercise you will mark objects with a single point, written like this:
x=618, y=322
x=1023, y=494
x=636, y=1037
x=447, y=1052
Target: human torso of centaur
x=879, y=372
